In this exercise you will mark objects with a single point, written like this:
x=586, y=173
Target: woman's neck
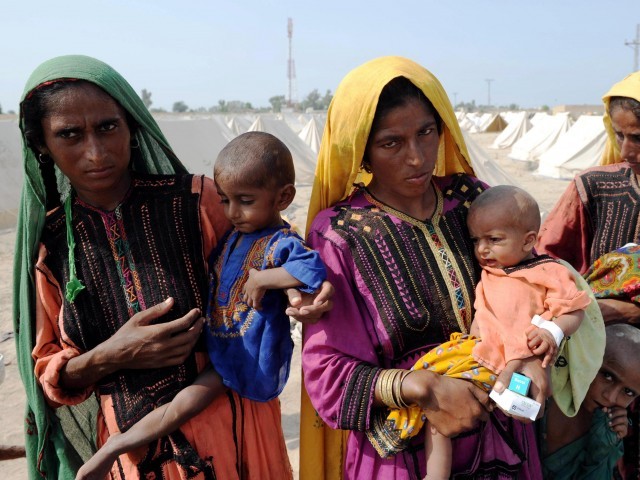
x=421, y=208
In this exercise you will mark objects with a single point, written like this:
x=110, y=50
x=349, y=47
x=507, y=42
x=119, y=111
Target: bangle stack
x=389, y=387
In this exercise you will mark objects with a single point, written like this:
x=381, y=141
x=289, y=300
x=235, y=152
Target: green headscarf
x=57, y=441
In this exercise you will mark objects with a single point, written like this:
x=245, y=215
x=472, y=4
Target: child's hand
x=252, y=292
x=540, y=341
x=618, y=421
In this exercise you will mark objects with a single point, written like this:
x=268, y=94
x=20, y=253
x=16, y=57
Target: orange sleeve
x=566, y=232
x=214, y=223
x=51, y=353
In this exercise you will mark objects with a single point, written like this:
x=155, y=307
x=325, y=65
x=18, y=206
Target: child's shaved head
x=256, y=158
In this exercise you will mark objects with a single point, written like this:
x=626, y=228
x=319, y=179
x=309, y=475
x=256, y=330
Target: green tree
x=222, y=106
x=277, y=102
x=0, y=109
x=313, y=101
x=326, y=100
x=180, y=107
x=146, y=98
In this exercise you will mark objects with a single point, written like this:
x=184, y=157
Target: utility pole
x=455, y=99
x=291, y=66
x=488, y=80
x=635, y=44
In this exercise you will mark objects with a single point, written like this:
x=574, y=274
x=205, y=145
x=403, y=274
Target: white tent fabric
x=239, y=124
x=196, y=140
x=311, y=134
x=518, y=125
x=485, y=168
x=540, y=138
x=580, y=148
x=11, y=171
x=489, y=122
x=304, y=158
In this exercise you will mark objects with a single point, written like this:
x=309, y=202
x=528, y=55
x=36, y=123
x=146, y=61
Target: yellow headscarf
x=349, y=122
x=628, y=87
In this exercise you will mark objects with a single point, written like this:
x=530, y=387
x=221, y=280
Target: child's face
x=249, y=208
x=616, y=384
x=496, y=242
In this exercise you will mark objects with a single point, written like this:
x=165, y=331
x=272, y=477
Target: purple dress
x=402, y=286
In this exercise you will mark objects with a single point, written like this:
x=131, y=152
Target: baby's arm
x=260, y=281
x=542, y=342
x=158, y=423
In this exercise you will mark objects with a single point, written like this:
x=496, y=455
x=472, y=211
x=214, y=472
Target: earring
x=43, y=158
x=137, y=143
x=365, y=166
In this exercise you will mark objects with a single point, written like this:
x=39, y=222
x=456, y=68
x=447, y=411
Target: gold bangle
x=388, y=386
x=398, y=397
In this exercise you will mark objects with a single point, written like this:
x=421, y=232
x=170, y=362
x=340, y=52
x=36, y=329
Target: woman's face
x=402, y=152
x=626, y=127
x=87, y=136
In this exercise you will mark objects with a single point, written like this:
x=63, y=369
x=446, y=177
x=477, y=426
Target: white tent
x=311, y=134
x=239, y=124
x=515, y=130
x=485, y=168
x=489, y=122
x=196, y=140
x=304, y=158
x=540, y=138
x=11, y=171
x=581, y=147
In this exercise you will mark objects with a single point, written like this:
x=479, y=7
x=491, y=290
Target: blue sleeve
x=300, y=261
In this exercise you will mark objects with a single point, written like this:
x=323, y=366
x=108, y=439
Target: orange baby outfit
x=506, y=299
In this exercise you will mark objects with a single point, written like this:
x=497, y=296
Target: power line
x=488, y=80
x=291, y=66
x=634, y=44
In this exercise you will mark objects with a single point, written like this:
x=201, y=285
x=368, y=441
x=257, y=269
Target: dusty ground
x=12, y=397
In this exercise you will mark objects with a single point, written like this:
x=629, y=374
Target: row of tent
x=196, y=139
x=559, y=147
x=554, y=145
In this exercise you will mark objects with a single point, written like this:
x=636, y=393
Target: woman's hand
x=137, y=344
x=307, y=307
x=540, y=381
x=618, y=420
x=452, y=405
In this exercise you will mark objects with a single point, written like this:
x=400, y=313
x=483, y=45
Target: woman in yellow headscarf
x=600, y=213
x=388, y=215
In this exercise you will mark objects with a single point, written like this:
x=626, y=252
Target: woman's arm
x=452, y=405
x=619, y=311
x=341, y=363
x=188, y=403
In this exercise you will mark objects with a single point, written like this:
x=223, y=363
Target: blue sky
x=538, y=52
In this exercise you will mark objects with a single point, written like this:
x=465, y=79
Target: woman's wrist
x=388, y=388
x=88, y=368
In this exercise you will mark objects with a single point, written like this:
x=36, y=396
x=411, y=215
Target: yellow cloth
x=628, y=87
x=453, y=359
x=344, y=140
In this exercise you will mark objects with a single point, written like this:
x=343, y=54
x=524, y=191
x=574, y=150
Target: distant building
x=576, y=110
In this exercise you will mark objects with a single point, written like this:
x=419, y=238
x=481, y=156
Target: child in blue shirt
x=247, y=330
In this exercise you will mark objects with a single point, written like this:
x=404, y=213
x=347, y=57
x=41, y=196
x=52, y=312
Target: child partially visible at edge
x=588, y=445
x=516, y=284
x=247, y=333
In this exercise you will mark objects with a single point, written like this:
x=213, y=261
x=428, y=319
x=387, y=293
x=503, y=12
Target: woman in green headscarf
x=113, y=236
